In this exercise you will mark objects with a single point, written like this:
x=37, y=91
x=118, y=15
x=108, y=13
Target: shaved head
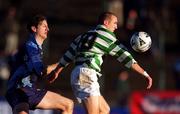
x=105, y=16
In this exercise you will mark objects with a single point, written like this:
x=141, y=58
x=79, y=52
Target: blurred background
x=124, y=90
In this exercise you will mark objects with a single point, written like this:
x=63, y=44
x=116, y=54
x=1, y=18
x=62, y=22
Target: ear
x=33, y=28
x=106, y=22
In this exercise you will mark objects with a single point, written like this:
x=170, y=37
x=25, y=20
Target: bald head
x=109, y=20
x=105, y=16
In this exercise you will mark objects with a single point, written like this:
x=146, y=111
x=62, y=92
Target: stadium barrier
x=155, y=102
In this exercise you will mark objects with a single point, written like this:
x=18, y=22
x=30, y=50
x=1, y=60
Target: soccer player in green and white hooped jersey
x=87, y=51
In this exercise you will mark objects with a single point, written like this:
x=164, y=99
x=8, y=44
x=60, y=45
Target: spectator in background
x=163, y=33
x=9, y=43
x=4, y=74
x=123, y=88
x=131, y=20
x=11, y=31
x=116, y=6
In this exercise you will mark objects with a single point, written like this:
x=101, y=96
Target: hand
x=50, y=68
x=149, y=82
x=52, y=76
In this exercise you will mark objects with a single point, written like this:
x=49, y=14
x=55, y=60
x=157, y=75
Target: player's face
x=42, y=29
x=112, y=23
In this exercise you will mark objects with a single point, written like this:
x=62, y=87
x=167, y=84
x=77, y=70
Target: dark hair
x=35, y=21
x=104, y=16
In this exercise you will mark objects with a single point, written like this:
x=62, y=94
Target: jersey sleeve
x=70, y=54
x=107, y=43
x=34, y=58
x=118, y=50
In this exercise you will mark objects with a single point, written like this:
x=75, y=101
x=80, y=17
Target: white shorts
x=84, y=83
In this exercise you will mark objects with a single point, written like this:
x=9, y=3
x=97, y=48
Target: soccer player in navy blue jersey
x=23, y=94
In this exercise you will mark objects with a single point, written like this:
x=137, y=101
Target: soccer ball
x=140, y=41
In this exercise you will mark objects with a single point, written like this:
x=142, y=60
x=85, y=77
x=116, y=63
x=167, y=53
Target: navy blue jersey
x=27, y=61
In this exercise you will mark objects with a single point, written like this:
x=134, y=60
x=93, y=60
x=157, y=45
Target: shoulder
x=105, y=34
x=31, y=44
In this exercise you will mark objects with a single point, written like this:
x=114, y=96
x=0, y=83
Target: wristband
x=145, y=74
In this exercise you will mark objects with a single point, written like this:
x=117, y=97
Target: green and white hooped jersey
x=88, y=49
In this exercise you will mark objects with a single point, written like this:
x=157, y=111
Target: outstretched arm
x=64, y=61
x=126, y=58
x=140, y=70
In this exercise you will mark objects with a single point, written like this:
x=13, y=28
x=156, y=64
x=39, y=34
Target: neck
x=39, y=40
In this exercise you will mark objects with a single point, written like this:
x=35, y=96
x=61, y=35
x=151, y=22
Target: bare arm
x=141, y=71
